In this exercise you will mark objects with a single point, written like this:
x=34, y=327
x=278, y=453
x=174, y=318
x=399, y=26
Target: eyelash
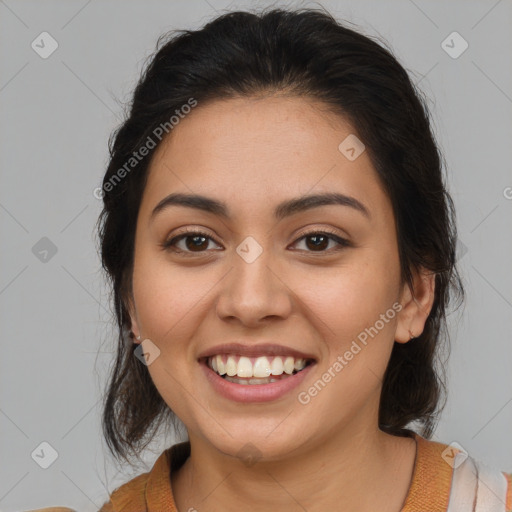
x=168, y=244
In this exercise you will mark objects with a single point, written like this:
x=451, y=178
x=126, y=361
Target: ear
x=416, y=305
x=133, y=318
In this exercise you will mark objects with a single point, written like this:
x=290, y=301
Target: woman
x=281, y=247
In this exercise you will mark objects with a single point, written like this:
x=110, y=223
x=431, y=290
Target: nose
x=254, y=291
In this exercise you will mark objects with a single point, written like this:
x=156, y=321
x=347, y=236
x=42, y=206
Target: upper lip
x=255, y=350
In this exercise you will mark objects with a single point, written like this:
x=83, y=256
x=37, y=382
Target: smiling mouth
x=255, y=370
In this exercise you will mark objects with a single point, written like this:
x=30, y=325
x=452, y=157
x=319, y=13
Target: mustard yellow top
x=151, y=492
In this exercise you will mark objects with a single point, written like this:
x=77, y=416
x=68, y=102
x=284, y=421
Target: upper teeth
x=264, y=366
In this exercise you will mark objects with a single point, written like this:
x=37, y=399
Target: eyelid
x=342, y=241
x=182, y=233
x=316, y=229
x=303, y=232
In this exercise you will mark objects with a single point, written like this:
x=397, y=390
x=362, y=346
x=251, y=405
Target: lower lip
x=254, y=392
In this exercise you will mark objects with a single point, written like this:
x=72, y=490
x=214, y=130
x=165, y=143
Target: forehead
x=257, y=151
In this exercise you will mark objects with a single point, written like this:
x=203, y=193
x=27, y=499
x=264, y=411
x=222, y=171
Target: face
x=265, y=281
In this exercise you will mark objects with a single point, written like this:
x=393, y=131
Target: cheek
x=351, y=296
x=168, y=299
x=170, y=305
x=351, y=306
x=354, y=314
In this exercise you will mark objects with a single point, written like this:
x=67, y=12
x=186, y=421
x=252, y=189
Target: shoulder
x=131, y=494
x=456, y=477
x=508, y=505
x=431, y=480
x=150, y=490
x=52, y=509
x=489, y=488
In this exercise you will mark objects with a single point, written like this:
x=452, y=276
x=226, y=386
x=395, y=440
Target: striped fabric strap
x=476, y=487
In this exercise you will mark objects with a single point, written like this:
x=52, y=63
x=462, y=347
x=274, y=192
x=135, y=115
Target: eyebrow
x=282, y=210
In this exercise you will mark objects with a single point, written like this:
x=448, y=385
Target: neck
x=355, y=468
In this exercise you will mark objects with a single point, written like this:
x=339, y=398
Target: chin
x=270, y=441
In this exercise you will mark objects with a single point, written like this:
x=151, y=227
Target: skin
x=253, y=153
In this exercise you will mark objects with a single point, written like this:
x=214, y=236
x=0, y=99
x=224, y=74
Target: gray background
x=57, y=114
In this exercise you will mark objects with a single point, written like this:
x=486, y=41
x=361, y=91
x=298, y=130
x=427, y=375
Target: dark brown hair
x=303, y=52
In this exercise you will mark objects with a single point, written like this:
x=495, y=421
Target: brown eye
x=196, y=242
x=193, y=242
x=319, y=241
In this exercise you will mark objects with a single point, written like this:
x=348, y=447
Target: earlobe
x=416, y=306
